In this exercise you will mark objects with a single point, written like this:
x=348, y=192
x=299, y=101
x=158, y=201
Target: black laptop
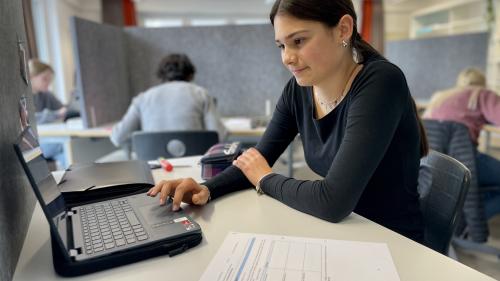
x=91, y=237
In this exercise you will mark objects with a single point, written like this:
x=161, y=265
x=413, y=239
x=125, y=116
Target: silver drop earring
x=344, y=44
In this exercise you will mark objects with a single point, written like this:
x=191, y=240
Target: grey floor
x=487, y=264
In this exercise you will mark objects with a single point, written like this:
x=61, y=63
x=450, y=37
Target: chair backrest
x=442, y=184
x=453, y=139
x=171, y=144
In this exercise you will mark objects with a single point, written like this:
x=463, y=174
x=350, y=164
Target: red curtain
x=372, y=23
x=366, y=20
x=129, y=18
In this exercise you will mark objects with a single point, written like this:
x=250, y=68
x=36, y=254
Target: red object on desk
x=166, y=165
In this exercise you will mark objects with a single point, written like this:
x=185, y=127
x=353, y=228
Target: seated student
x=176, y=104
x=473, y=105
x=357, y=122
x=47, y=107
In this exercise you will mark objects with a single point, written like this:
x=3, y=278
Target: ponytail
x=362, y=50
x=424, y=144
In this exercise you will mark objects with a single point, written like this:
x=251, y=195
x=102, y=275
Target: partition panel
x=433, y=64
x=102, y=71
x=239, y=65
x=16, y=196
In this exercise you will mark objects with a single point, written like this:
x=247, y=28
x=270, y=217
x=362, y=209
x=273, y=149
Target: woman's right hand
x=182, y=190
x=61, y=113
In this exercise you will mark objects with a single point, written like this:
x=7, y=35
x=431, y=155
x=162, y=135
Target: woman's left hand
x=253, y=165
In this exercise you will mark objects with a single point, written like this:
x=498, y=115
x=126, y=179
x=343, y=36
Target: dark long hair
x=329, y=13
x=176, y=67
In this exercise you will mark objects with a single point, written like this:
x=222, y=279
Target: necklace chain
x=330, y=105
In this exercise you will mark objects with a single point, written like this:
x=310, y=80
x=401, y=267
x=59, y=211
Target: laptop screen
x=43, y=183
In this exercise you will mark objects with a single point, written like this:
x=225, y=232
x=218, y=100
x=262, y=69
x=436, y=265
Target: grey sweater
x=46, y=107
x=176, y=105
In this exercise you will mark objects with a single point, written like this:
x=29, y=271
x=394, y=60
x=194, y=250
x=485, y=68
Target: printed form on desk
x=257, y=257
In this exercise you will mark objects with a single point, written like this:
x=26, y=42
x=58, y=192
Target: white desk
x=244, y=211
x=94, y=142
x=69, y=130
x=80, y=145
x=87, y=145
x=488, y=131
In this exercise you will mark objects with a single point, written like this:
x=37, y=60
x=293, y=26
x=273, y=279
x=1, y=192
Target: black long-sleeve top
x=367, y=150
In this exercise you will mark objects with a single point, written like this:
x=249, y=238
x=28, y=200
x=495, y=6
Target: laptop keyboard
x=109, y=225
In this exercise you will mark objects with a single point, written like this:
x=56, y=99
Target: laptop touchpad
x=155, y=214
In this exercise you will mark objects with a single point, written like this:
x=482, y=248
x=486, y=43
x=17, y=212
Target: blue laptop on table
x=92, y=237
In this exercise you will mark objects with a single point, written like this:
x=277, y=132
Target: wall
x=16, y=198
x=398, y=16
x=52, y=25
x=493, y=68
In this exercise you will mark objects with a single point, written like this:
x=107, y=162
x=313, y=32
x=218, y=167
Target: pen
x=165, y=164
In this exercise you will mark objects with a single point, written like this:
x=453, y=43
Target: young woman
x=356, y=119
x=473, y=105
x=176, y=104
x=47, y=108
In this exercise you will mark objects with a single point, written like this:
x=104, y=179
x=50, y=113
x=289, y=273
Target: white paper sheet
x=237, y=123
x=245, y=257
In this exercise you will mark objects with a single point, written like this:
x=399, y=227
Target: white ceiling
x=247, y=8
x=256, y=8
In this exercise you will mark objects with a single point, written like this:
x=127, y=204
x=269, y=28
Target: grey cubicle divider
x=102, y=71
x=239, y=65
x=16, y=196
x=433, y=64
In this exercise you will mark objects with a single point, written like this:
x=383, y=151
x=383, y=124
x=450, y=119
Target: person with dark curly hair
x=175, y=104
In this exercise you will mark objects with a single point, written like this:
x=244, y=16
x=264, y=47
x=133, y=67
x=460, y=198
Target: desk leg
x=68, y=152
x=65, y=142
x=487, y=142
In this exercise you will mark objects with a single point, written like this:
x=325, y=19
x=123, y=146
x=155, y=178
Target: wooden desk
x=68, y=130
x=94, y=142
x=244, y=211
x=63, y=130
x=488, y=131
x=421, y=105
x=80, y=145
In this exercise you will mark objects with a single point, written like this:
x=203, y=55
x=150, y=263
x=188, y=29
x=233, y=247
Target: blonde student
x=471, y=103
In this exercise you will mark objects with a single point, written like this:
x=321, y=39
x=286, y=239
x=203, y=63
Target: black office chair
x=443, y=183
x=453, y=139
x=172, y=144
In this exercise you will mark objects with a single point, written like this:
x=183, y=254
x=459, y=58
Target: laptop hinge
x=70, y=213
x=73, y=253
